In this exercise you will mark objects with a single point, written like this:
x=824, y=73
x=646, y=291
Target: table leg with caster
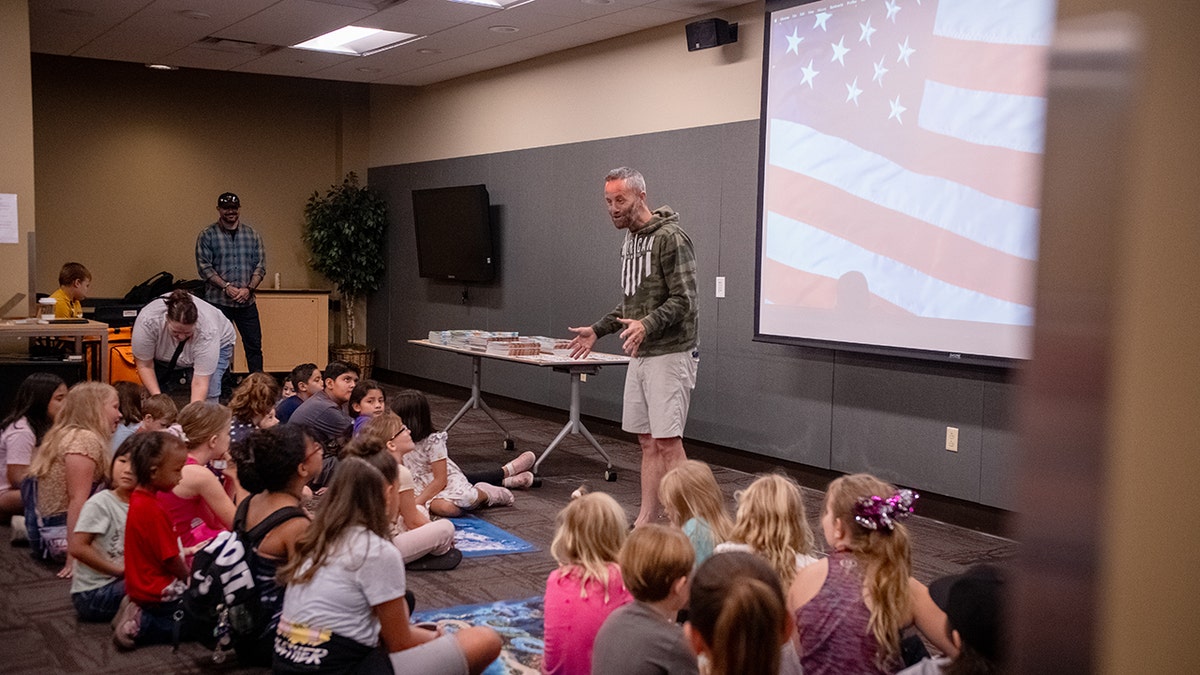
x=575, y=426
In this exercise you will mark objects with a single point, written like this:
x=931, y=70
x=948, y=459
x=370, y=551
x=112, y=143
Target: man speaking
x=657, y=321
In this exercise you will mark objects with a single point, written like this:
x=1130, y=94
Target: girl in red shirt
x=155, y=575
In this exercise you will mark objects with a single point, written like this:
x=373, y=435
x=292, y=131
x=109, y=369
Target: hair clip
x=876, y=512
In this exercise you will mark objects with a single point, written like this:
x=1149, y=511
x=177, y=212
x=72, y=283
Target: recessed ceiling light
x=77, y=13
x=357, y=41
x=504, y=29
x=194, y=14
x=161, y=66
x=429, y=51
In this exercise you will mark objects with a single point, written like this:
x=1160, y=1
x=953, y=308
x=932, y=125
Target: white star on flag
x=879, y=72
x=905, y=52
x=867, y=30
x=839, y=50
x=794, y=41
x=892, y=9
x=809, y=74
x=896, y=110
x=852, y=92
x=822, y=17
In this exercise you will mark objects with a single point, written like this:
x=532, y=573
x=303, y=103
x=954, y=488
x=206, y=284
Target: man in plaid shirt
x=657, y=321
x=232, y=261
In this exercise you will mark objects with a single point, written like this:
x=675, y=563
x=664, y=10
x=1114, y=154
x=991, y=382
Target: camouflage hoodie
x=658, y=277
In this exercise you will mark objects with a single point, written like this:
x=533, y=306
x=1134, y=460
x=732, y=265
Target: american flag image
x=902, y=157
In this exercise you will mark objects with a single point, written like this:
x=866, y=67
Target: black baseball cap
x=228, y=200
x=974, y=603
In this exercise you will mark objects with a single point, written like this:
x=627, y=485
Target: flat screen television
x=900, y=175
x=454, y=233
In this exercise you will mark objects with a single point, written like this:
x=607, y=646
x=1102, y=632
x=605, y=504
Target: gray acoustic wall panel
x=558, y=267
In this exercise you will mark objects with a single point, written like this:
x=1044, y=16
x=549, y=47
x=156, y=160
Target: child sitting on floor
x=129, y=399
x=851, y=607
x=771, y=522
x=98, y=545
x=200, y=505
x=155, y=574
x=642, y=637
x=412, y=532
x=440, y=483
x=693, y=502
x=587, y=586
x=974, y=605
x=306, y=380
x=737, y=612
x=344, y=609
x=159, y=413
x=253, y=406
x=366, y=401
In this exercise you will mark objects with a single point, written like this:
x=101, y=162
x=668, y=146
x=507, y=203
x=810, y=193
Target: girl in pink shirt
x=587, y=585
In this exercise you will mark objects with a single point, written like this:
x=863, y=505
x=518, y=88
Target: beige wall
x=1149, y=620
x=635, y=84
x=16, y=145
x=130, y=162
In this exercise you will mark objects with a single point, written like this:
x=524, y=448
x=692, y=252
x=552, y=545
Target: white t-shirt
x=103, y=515
x=16, y=447
x=152, y=341
x=802, y=559
x=362, y=570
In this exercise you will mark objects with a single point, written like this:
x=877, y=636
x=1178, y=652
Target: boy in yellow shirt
x=74, y=283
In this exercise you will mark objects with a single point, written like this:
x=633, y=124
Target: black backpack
x=222, y=592
x=160, y=283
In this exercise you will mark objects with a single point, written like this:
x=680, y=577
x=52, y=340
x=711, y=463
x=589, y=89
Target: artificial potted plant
x=344, y=230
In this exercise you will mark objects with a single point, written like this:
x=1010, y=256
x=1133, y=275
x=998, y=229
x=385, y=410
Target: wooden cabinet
x=295, y=330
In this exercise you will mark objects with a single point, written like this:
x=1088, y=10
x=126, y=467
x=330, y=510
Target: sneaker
x=496, y=496
x=19, y=534
x=580, y=491
x=523, y=462
x=521, y=481
x=127, y=624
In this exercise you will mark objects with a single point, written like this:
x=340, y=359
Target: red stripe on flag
x=1004, y=69
x=954, y=259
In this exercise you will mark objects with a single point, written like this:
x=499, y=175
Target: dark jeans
x=246, y=320
x=164, y=623
x=99, y=604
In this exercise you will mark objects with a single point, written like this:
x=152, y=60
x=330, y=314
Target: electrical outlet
x=952, y=439
x=720, y=287
x=583, y=377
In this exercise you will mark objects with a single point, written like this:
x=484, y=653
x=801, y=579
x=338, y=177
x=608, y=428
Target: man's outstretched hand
x=582, y=343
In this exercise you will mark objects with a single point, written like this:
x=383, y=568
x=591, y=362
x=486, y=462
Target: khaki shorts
x=658, y=391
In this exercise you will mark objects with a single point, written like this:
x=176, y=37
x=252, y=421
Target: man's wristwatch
x=226, y=286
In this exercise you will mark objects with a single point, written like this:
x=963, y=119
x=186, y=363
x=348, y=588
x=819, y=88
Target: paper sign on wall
x=8, y=219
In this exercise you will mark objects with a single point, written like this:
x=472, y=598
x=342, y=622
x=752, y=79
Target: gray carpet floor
x=40, y=633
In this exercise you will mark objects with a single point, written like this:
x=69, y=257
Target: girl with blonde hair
x=851, y=607
x=200, y=506
x=587, y=585
x=771, y=522
x=695, y=503
x=71, y=462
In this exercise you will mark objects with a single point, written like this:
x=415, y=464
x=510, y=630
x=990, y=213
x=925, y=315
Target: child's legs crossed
x=436, y=537
x=99, y=604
